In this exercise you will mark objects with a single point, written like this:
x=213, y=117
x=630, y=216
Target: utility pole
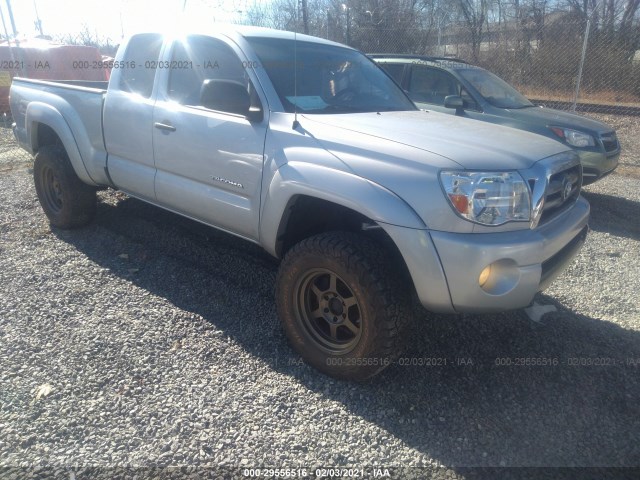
x=15, y=39
x=582, y=58
x=347, y=9
x=6, y=32
x=38, y=22
x=348, y=26
x=305, y=17
x=328, y=21
x=13, y=23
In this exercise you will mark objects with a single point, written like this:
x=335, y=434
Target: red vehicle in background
x=46, y=60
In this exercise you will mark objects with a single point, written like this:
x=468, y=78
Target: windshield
x=330, y=79
x=494, y=90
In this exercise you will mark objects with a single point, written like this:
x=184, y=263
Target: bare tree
x=474, y=14
x=631, y=9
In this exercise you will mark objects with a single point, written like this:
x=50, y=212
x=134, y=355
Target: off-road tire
x=65, y=199
x=367, y=292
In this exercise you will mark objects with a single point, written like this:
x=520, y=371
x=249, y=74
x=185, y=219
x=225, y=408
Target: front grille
x=562, y=191
x=610, y=142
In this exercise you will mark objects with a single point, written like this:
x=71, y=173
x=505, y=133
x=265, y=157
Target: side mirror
x=226, y=96
x=454, y=101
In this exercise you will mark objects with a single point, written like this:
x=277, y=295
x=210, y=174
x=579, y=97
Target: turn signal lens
x=459, y=202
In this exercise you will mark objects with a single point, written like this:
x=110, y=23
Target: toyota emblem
x=566, y=189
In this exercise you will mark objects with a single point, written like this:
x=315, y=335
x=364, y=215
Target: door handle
x=165, y=127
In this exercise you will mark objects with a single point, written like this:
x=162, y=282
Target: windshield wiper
x=387, y=109
x=343, y=109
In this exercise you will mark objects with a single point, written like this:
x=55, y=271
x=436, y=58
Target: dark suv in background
x=453, y=86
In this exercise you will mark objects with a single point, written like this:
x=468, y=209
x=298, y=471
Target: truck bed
x=73, y=109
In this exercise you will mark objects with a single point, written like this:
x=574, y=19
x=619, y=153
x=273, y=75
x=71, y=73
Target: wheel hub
x=336, y=306
x=329, y=310
x=333, y=308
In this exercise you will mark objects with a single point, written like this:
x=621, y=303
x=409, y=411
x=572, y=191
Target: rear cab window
x=198, y=58
x=140, y=63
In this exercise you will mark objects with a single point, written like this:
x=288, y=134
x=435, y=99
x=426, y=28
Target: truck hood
x=551, y=117
x=468, y=143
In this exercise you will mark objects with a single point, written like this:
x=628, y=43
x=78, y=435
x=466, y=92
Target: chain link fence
x=568, y=65
x=12, y=157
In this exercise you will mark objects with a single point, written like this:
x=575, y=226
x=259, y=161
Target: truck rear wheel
x=342, y=305
x=65, y=199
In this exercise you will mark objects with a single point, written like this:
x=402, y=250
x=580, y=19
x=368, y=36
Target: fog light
x=499, y=277
x=484, y=275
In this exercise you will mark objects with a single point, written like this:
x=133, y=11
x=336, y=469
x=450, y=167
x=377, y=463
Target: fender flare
x=342, y=188
x=41, y=113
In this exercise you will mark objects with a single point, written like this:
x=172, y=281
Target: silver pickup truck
x=308, y=149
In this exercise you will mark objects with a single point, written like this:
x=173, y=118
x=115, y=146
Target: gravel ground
x=146, y=340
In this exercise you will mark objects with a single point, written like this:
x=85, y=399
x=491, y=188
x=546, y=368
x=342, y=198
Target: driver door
x=209, y=162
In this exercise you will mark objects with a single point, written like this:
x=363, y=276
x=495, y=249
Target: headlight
x=573, y=137
x=489, y=198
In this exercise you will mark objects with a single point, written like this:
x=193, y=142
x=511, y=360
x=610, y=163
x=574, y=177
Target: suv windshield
x=330, y=79
x=494, y=90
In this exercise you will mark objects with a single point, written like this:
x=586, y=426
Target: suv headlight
x=488, y=198
x=574, y=137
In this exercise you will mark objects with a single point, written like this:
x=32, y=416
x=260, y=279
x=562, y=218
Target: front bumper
x=446, y=267
x=596, y=165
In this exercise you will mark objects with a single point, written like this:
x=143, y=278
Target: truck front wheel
x=65, y=199
x=342, y=304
